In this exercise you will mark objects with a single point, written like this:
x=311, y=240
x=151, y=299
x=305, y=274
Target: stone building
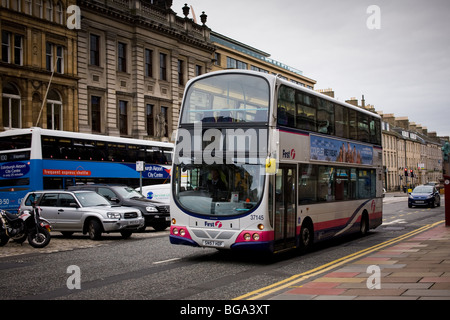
x=134, y=60
x=412, y=155
x=38, y=65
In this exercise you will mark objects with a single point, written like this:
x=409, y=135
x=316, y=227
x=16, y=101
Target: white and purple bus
x=261, y=163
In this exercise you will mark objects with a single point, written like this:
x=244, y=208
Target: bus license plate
x=211, y=243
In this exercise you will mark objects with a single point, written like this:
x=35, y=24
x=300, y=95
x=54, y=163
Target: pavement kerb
x=294, y=280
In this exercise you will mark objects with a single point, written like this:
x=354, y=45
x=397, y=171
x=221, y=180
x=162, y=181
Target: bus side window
x=306, y=111
x=353, y=134
x=325, y=117
x=286, y=106
x=307, y=189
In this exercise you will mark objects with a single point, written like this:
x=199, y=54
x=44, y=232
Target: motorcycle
x=27, y=225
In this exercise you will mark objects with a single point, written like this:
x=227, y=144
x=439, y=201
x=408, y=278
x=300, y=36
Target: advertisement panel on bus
x=19, y=177
x=55, y=168
x=15, y=182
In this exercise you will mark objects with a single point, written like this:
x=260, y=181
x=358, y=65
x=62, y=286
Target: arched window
x=39, y=9
x=11, y=107
x=54, y=111
x=59, y=13
x=49, y=10
x=28, y=9
x=16, y=5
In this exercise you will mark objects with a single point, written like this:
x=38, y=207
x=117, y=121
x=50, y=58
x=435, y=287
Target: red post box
x=447, y=200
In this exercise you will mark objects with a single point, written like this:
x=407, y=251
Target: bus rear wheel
x=364, y=225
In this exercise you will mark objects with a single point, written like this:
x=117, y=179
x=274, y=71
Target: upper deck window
x=227, y=98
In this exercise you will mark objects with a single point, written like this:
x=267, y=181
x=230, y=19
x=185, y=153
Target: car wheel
x=160, y=226
x=67, y=234
x=94, y=230
x=126, y=234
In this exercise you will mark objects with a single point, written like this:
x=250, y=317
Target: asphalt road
x=148, y=267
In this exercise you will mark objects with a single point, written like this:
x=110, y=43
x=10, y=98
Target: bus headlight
x=182, y=232
x=255, y=236
x=175, y=231
x=247, y=237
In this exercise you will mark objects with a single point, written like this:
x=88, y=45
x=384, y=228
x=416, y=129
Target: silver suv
x=83, y=211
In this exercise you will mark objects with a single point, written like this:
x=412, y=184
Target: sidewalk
x=416, y=268
x=58, y=243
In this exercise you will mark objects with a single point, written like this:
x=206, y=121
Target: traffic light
x=406, y=172
x=412, y=173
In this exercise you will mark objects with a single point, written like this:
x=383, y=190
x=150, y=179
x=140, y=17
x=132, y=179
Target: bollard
x=447, y=200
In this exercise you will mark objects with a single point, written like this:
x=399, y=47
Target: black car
x=426, y=195
x=156, y=214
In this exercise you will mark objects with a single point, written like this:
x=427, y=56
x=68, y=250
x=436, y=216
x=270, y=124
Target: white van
x=157, y=192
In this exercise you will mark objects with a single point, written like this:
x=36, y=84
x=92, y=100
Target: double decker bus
x=36, y=159
x=261, y=163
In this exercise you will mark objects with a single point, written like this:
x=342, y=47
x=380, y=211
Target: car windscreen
x=91, y=199
x=423, y=189
x=128, y=193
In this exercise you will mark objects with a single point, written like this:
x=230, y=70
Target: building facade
x=232, y=54
x=38, y=65
x=121, y=72
x=134, y=60
x=412, y=155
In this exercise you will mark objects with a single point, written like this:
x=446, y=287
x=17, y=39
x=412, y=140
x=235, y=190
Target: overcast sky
x=401, y=68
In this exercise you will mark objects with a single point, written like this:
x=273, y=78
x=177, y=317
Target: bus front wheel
x=306, y=235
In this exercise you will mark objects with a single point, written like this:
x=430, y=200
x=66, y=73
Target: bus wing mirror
x=271, y=166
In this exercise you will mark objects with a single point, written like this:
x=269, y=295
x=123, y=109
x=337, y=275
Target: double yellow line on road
x=265, y=291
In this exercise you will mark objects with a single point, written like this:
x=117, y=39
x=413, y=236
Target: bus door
x=285, y=207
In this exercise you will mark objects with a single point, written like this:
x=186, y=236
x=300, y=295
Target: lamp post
x=203, y=18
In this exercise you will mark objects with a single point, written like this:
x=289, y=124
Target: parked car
x=425, y=195
x=83, y=211
x=157, y=192
x=156, y=214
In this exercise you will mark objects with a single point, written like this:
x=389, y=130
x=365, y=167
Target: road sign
x=140, y=166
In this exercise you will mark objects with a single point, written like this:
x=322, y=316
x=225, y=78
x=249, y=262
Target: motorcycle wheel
x=39, y=239
x=3, y=240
